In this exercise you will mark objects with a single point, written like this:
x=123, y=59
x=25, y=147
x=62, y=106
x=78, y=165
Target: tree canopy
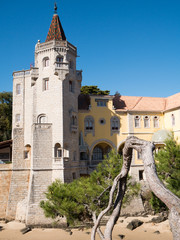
x=168, y=165
x=5, y=115
x=93, y=90
x=168, y=169
x=85, y=197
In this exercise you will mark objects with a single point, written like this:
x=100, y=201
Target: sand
x=11, y=231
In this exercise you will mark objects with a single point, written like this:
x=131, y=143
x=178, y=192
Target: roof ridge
x=137, y=102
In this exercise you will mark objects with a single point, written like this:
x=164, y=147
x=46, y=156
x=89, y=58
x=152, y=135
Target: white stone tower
x=45, y=124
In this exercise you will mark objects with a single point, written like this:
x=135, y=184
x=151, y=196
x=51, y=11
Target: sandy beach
x=147, y=231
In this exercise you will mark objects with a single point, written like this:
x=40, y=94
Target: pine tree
x=168, y=165
x=93, y=90
x=168, y=169
x=82, y=198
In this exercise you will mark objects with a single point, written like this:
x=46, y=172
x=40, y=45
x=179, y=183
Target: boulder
x=134, y=224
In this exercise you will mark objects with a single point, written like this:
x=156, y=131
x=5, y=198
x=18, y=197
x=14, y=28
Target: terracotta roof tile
x=132, y=103
x=56, y=31
x=173, y=101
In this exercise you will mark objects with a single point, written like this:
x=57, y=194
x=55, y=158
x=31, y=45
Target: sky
x=129, y=46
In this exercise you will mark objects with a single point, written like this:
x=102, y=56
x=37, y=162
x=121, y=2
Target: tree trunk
x=157, y=187
x=171, y=200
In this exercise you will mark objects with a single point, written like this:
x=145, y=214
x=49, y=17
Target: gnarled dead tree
x=172, y=201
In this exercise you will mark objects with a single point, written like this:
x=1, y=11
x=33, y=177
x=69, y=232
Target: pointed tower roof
x=56, y=31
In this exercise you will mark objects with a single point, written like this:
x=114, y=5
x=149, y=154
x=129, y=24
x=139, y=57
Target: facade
x=59, y=133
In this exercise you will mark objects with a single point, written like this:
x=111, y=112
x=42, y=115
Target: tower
x=45, y=124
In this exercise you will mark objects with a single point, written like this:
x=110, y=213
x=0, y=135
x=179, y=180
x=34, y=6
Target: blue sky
x=129, y=46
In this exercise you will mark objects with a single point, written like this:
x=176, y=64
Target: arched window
x=42, y=118
x=46, y=62
x=173, y=120
x=27, y=151
x=57, y=151
x=114, y=123
x=89, y=123
x=146, y=122
x=156, y=122
x=59, y=61
x=137, y=122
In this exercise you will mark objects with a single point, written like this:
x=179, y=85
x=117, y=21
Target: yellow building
x=106, y=121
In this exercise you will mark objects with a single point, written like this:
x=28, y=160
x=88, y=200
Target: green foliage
x=157, y=204
x=93, y=90
x=168, y=165
x=5, y=115
x=168, y=169
x=80, y=198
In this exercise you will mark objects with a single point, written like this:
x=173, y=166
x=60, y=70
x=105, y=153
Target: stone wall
x=20, y=174
x=41, y=173
x=5, y=178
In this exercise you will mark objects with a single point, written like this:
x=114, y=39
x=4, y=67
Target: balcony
x=34, y=75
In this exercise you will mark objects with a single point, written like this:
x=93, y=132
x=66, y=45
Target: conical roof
x=56, y=31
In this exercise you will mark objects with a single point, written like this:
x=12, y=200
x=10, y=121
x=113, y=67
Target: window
x=114, y=123
x=156, y=122
x=45, y=84
x=27, y=151
x=18, y=118
x=71, y=64
x=71, y=86
x=83, y=156
x=101, y=103
x=59, y=61
x=102, y=121
x=173, y=120
x=42, y=118
x=74, y=120
x=89, y=125
x=74, y=156
x=146, y=122
x=141, y=175
x=18, y=89
x=57, y=151
x=139, y=155
x=97, y=153
x=89, y=122
x=137, y=122
x=45, y=62
x=74, y=175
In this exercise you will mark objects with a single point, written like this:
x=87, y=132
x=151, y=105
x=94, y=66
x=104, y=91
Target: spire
x=56, y=31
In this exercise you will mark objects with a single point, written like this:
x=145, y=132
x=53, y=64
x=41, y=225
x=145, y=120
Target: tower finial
x=55, y=8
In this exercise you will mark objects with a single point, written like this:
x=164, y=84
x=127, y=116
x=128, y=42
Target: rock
x=159, y=219
x=157, y=232
x=134, y=224
x=121, y=221
x=121, y=236
x=26, y=230
x=1, y=228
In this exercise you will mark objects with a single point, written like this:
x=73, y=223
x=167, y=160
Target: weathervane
x=55, y=8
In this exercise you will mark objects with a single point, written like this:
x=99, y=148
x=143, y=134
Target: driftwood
x=171, y=201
